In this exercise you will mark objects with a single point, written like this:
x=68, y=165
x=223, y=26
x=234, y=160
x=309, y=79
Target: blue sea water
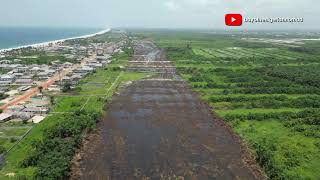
x=11, y=37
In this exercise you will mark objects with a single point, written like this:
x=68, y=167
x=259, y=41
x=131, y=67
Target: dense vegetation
x=53, y=153
x=3, y=96
x=268, y=93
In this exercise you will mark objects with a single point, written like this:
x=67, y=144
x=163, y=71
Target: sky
x=155, y=13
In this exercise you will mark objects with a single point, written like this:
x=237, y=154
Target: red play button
x=233, y=19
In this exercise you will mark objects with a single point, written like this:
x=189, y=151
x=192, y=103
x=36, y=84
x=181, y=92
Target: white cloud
x=146, y=13
x=211, y=12
x=200, y=7
x=172, y=6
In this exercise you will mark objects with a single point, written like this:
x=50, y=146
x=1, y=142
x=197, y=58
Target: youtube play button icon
x=233, y=19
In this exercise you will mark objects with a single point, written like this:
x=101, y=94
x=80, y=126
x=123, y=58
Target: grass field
x=268, y=93
x=11, y=132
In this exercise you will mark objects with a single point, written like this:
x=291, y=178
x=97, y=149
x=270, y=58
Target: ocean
x=12, y=37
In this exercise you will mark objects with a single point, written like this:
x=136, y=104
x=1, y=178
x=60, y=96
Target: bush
x=12, y=140
x=66, y=87
x=116, y=68
x=2, y=149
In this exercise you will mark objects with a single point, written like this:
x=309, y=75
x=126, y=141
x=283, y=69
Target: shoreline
x=43, y=44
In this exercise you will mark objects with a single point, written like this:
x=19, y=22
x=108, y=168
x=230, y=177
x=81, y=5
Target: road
x=33, y=91
x=157, y=128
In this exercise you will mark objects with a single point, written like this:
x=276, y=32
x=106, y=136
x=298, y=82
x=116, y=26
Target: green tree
x=40, y=88
x=52, y=100
x=66, y=87
x=2, y=149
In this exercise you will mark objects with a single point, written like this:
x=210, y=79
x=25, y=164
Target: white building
x=5, y=117
x=6, y=79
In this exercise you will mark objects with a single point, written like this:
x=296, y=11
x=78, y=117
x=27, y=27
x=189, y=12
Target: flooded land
x=157, y=128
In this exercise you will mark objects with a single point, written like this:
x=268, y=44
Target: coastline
x=43, y=44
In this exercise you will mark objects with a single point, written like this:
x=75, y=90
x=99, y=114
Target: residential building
x=5, y=117
x=36, y=110
x=6, y=79
x=24, y=81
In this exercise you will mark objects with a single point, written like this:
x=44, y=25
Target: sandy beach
x=43, y=44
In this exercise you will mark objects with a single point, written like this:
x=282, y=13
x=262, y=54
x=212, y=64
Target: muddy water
x=158, y=129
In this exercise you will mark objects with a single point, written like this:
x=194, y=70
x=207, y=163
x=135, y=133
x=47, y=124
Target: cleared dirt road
x=45, y=85
x=157, y=128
